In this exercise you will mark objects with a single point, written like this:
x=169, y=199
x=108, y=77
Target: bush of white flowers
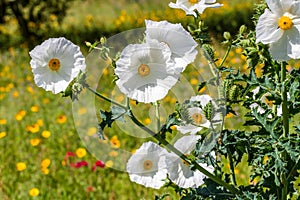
x=149, y=69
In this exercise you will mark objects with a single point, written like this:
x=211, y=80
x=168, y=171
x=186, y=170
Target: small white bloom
x=279, y=26
x=55, y=63
x=146, y=71
x=179, y=172
x=189, y=6
x=264, y=99
x=198, y=117
x=146, y=167
x=181, y=43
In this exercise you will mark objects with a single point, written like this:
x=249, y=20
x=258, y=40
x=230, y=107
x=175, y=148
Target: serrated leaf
x=118, y=113
x=209, y=143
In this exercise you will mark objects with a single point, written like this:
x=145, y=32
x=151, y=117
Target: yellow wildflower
x=115, y=142
x=21, y=166
x=34, y=192
x=61, y=119
x=45, y=163
x=46, y=134
x=80, y=152
x=3, y=121
x=2, y=134
x=35, y=141
x=109, y=163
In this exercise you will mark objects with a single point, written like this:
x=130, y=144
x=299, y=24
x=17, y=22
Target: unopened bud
x=227, y=35
x=103, y=40
x=88, y=44
x=243, y=29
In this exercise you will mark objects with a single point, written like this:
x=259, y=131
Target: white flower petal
x=178, y=171
x=153, y=86
x=152, y=176
x=190, y=7
x=181, y=43
x=71, y=63
x=293, y=50
x=267, y=30
x=280, y=49
x=187, y=143
x=192, y=129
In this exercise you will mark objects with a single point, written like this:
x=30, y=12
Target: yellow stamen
x=144, y=70
x=54, y=64
x=148, y=164
x=193, y=1
x=197, y=118
x=285, y=23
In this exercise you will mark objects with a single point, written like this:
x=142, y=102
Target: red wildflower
x=98, y=163
x=79, y=164
x=90, y=189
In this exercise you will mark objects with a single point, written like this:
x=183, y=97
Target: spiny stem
x=285, y=111
x=106, y=98
x=226, y=55
x=232, y=168
x=157, y=115
x=285, y=120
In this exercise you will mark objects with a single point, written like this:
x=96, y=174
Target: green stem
x=226, y=55
x=285, y=120
x=232, y=168
x=285, y=111
x=105, y=98
x=157, y=115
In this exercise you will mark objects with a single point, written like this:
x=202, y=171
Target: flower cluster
x=151, y=164
x=147, y=71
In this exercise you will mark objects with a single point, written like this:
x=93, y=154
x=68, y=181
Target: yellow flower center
x=285, y=23
x=144, y=70
x=148, y=164
x=54, y=64
x=197, y=118
x=193, y=1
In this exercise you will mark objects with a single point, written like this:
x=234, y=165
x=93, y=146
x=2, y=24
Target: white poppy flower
x=146, y=71
x=145, y=166
x=182, y=45
x=198, y=117
x=55, y=63
x=189, y=6
x=279, y=26
x=179, y=171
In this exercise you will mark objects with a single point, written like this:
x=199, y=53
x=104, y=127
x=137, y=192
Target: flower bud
x=227, y=35
x=243, y=29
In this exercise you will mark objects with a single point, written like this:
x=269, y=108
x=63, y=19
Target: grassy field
x=38, y=136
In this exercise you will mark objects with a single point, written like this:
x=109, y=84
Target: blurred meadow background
x=42, y=156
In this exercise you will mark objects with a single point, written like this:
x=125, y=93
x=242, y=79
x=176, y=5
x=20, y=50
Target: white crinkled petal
x=202, y=6
x=187, y=143
x=276, y=6
x=190, y=128
x=71, y=63
x=279, y=50
x=163, y=72
x=181, y=174
x=267, y=30
x=293, y=46
x=153, y=177
x=181, y=43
